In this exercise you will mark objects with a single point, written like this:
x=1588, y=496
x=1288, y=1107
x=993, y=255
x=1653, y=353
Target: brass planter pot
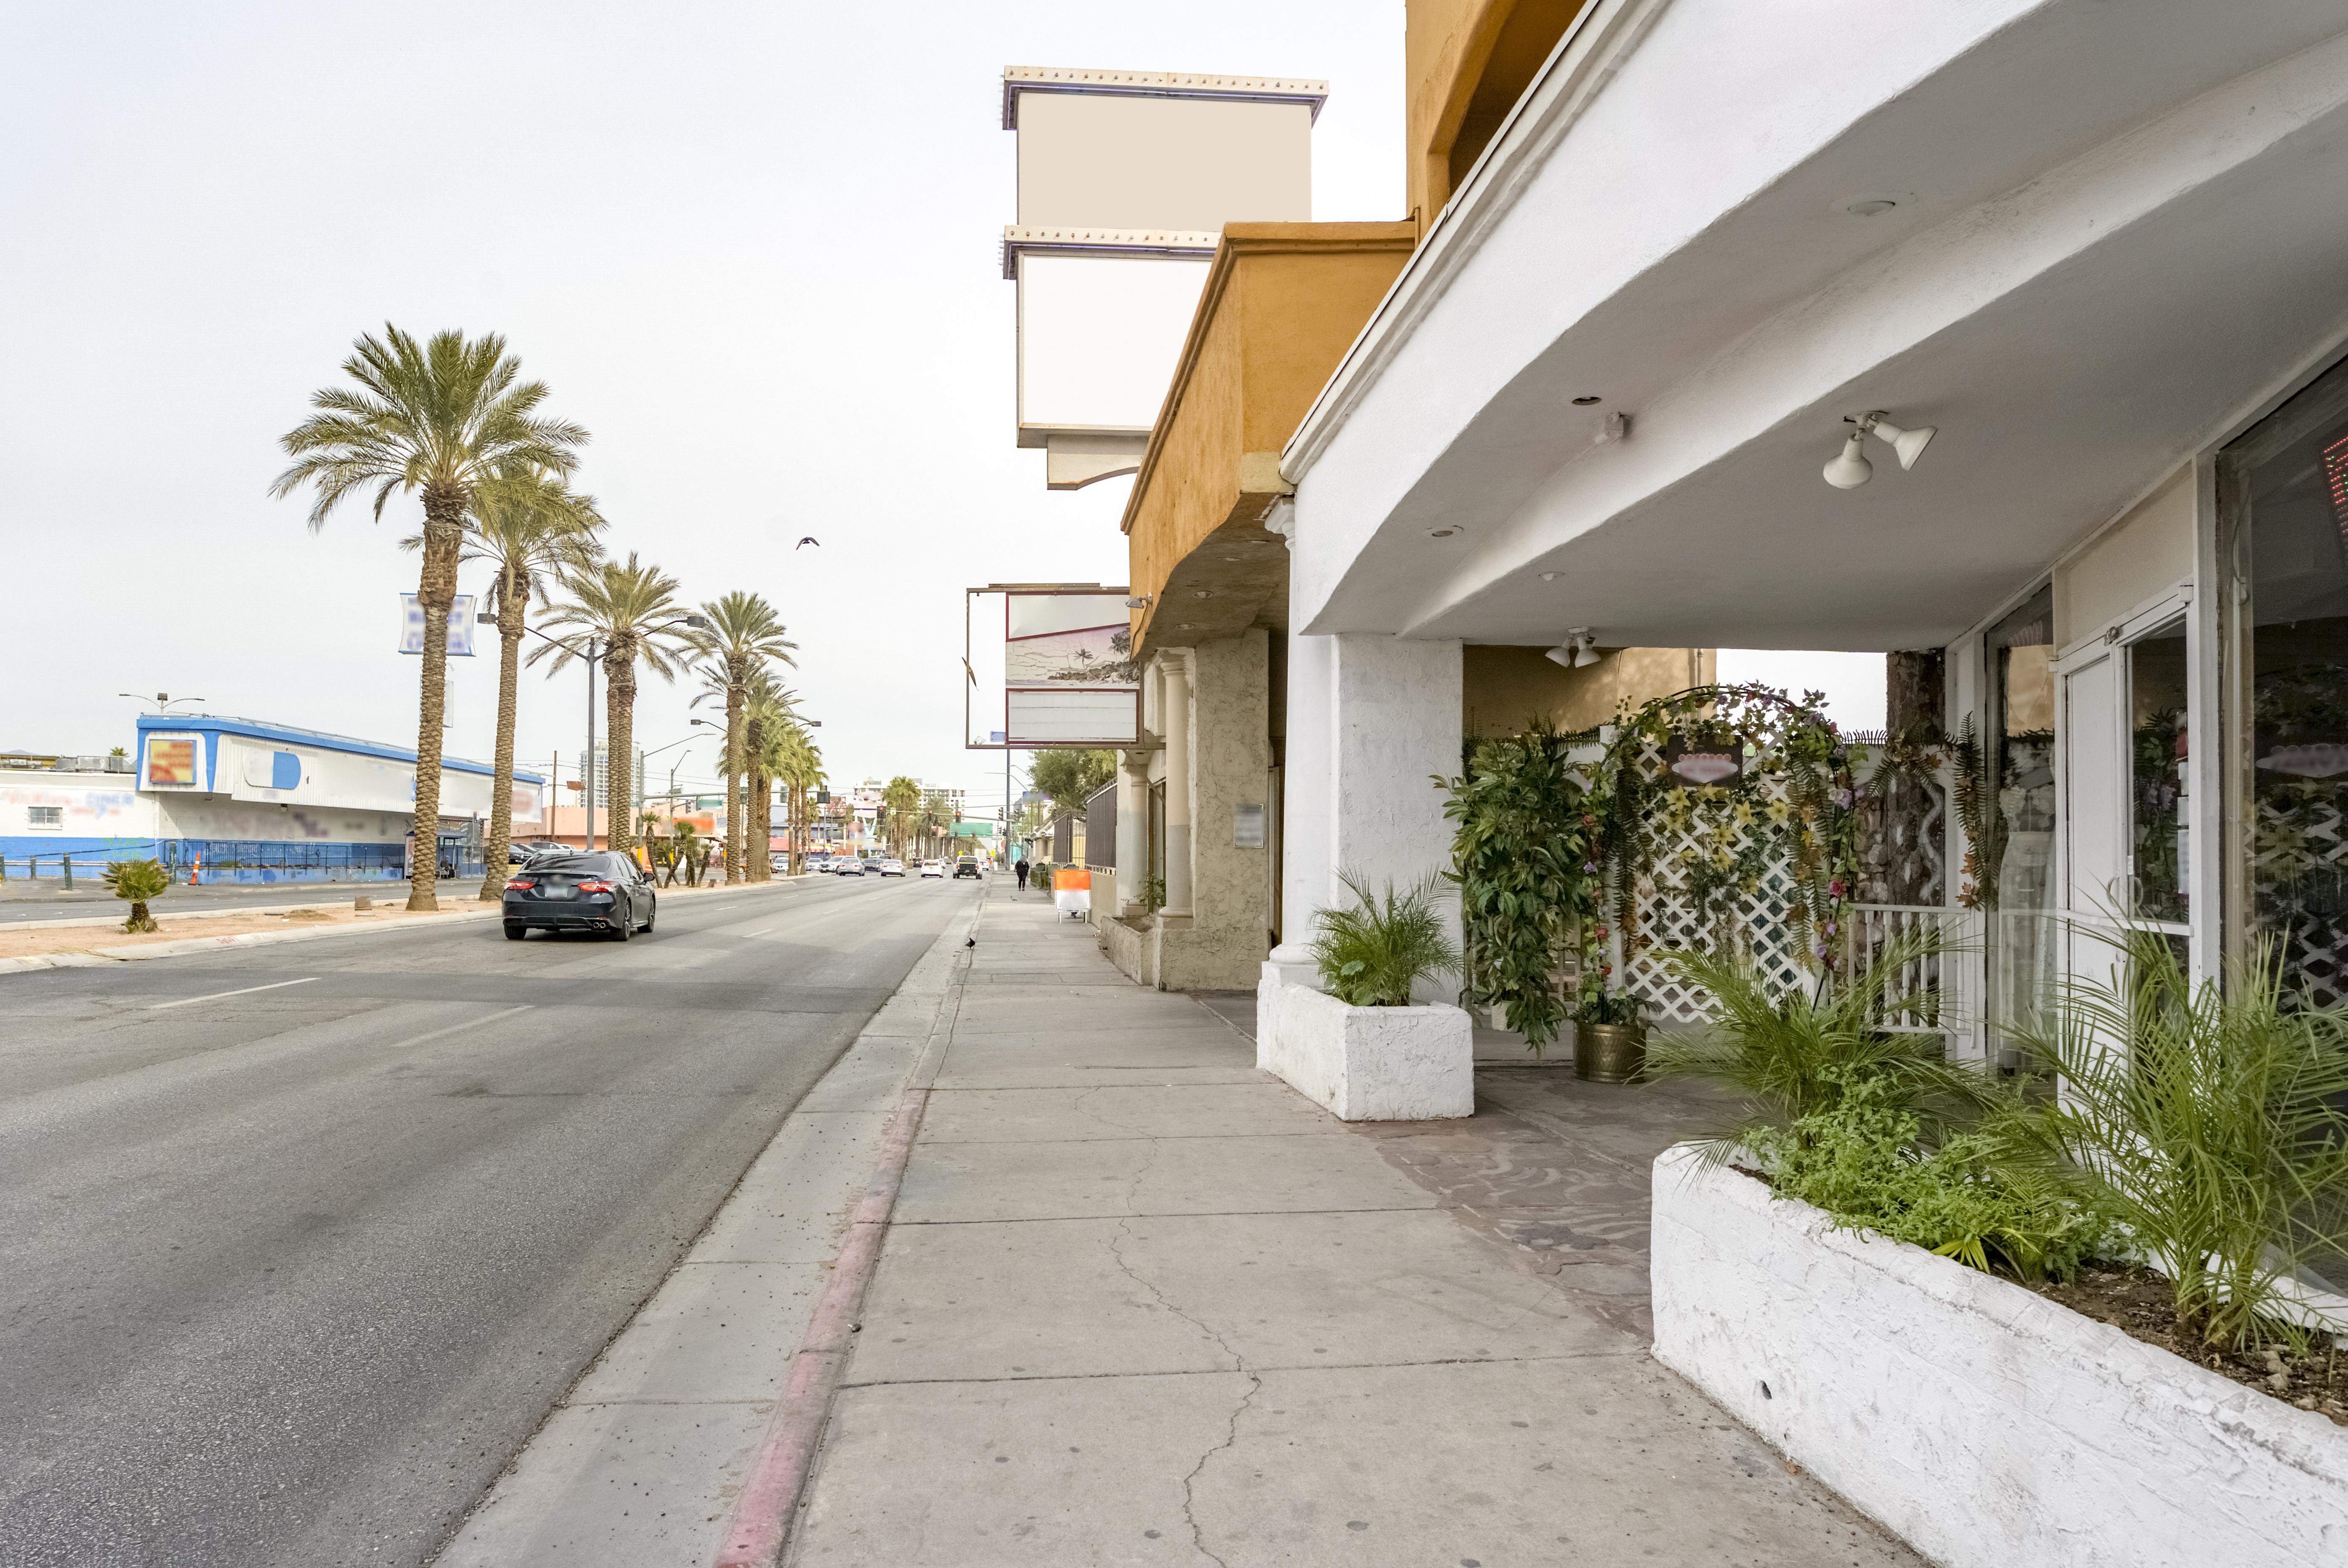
x=1610, y=1052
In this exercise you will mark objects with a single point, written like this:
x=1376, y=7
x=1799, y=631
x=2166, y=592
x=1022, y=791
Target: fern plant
x=1372, y=954
x=1861, y=1160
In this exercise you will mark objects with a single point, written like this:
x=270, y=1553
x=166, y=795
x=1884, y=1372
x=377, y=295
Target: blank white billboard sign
x=1099, y=336
x=1069, y=674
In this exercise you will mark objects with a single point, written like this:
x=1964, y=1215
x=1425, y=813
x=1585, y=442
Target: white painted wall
x=1984, y=1423
x=2146, y=553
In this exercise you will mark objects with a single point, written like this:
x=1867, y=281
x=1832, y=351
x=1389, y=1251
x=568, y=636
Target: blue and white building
x=255, y=802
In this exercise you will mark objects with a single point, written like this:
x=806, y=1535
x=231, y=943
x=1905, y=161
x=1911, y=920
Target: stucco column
x=1174, y=713
x=1394, y=723
x=1132, y=828
x=1304, y=830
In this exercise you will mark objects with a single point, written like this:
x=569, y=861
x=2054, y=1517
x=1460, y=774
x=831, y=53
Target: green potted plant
x=1361, y=1047
x=1609, y=1033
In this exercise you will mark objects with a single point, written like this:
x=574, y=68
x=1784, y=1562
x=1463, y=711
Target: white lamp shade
x=1909, y=444
x=1849, y=470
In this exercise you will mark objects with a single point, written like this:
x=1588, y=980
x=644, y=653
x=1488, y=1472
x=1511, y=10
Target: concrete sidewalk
x=1142, y=1304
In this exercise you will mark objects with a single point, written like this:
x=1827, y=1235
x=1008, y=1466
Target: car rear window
x=593, y=865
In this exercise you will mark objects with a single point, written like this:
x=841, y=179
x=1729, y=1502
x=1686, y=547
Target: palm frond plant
x=528, y=528
x=138, y=882
x=1372, y=954
x=443, y=418
x=631, y=608
x=744, y=633
x=2211, y=1120
x=1795, y=1056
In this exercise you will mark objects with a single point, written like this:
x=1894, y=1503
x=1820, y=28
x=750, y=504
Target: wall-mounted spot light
x=1848, y=469
x=1586, y=402
x=1578, y=652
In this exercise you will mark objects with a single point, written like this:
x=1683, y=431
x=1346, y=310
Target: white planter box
x=1988, y=1425
x=1367, y=1064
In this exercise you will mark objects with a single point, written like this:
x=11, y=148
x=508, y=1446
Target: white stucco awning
x=2115, y=231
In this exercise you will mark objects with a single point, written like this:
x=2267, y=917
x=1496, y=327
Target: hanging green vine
x=1795, y=790
x=1520, y=859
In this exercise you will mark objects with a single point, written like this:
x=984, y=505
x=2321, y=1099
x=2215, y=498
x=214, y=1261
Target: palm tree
x=800, y=768
x=528, y=529
x=743, y=632
x=899, y=799
x=765, y=707
x=632, y=609
x=442, y=418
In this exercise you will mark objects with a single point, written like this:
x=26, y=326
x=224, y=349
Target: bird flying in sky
x=810, y=540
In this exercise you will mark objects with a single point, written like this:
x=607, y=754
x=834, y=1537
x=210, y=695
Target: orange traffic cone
x=195, y=871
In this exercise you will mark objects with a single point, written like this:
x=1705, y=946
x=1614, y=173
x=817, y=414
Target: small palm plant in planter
x=1796, y=1055
x=1373, y=953
x=138, y=881
x=2211, y=1122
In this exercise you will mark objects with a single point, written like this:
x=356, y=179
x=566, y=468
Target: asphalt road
x=286, y=1277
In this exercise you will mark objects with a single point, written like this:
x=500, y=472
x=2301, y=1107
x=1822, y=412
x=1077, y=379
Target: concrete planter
x=1988, y=1425
x=1367, y=1064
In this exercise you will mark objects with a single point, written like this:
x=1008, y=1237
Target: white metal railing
x=1932, y=991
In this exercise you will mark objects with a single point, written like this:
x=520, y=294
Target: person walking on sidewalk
x=1021, y=869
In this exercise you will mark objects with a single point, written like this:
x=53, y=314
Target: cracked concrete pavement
x=1142, y=1304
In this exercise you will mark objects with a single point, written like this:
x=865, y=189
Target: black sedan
x=578, y=892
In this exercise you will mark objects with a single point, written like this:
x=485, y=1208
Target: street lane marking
x=455, y=1028
x=760, y=932
x=245, y=991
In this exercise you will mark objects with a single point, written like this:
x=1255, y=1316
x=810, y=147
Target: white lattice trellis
x=1764, y=919
x=2301, y=886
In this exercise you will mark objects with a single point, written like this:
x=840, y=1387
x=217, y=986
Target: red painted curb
x=761, y=1526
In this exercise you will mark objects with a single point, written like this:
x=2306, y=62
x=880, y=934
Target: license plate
x=562, y=892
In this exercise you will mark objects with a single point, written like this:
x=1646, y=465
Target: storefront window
x=2158, y=805
x=2283, y=505
x=2014, y=872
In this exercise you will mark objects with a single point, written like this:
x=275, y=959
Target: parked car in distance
x=934, y=869
x=819, y=863
x=893, y=868
x=579, y=891
x=848, y=866
x=779, y=861
x=966, y=867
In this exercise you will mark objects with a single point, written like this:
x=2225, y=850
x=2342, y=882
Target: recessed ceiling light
x=1443, y=533
x=1549, y=577
x=1869, y=206
x=1202, y=593
x=1586, y=402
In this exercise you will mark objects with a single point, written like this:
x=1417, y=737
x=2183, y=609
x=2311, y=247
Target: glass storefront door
x=2283, y=507
x=2014, y=872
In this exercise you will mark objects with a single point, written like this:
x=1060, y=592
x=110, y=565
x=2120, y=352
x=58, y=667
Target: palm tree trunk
x=755, y=834
x=436, y=590
x=736, y=678
x=620, y=720
x=493, y=854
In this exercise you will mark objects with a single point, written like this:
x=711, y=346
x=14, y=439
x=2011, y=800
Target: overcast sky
x=751, y=248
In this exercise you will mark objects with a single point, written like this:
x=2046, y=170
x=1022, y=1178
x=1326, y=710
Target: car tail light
x=520, y=884
x=595, y=887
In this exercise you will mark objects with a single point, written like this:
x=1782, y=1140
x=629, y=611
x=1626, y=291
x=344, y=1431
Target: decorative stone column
x=1174, y=713
x=1305, y=828
x=1132, y=829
